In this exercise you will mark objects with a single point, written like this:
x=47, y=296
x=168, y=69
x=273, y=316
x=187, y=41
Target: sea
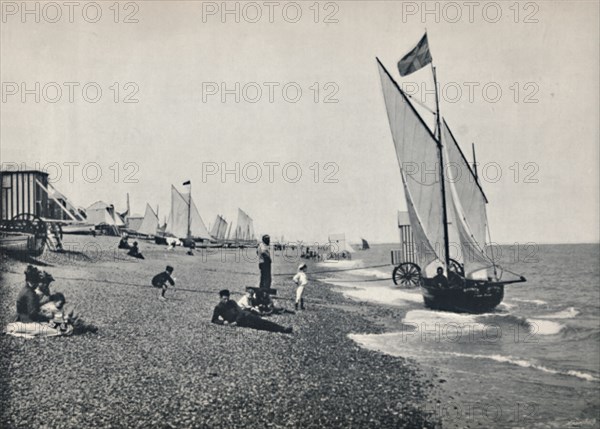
x=533, y=362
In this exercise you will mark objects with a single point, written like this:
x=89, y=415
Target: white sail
x=244, y=230
x=178, y=217
x=219, y=228
x=149, y=223
x=468, y=192
x=418, y=157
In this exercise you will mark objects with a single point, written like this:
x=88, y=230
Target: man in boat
x=264, y=262
x=28, y=302
x=227, y=312
x=440, y=279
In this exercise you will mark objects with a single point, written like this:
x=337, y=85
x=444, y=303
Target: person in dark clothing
x=440, y=279
x=229, y=312
x=135, y=252
x=28, y=302
x=264, y=262
x=124, y=244
x=161, y=279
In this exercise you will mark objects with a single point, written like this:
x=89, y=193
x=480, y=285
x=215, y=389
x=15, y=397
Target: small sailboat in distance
x=442, y=210
x=364, y=245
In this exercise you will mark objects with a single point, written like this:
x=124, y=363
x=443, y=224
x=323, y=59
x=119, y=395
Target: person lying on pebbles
x=229, y=313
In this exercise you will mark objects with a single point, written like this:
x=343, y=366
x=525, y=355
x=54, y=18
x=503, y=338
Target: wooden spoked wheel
x=407, y=275
x=456, y=267
x=30, y=223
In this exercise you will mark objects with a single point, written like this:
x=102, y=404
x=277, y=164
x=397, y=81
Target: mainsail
x=468, y=207
x=179, y=217
x=244, y=230
x=417, y=152
x=219, y=228
x=149, y=223
x=418, y=157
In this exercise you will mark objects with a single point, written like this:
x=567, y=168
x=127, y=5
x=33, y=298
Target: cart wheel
x=456, y=267
x=31, y=224
x=407, y=275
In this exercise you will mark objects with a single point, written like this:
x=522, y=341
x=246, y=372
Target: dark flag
x=187, y=183
x=416, y=59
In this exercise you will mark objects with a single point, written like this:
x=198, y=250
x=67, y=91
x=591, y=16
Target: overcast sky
x=537, y=139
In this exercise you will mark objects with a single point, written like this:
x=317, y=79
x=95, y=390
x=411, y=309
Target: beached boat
x=185, y=222
x=448, y=207
x=25, y=234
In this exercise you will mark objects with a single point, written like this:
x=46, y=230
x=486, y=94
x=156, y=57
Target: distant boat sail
x=184, y=219
x=219, y=228
x=365, y=244
x=244, y=231
x=442, y=210
x=149, y=225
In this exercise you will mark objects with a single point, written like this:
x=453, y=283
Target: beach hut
x=22, y=193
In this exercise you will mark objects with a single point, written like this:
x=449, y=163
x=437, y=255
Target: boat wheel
x=30, y=223
x=456, y=267
x=407, y=275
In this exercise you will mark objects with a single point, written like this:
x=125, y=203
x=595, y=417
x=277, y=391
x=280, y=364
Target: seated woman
x=28, y=302
x=264, y=303
x=135, y=252
x=124, y=244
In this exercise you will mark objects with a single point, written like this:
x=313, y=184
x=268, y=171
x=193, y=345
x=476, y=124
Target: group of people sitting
x=133, y=248
x=35, y=303
x=255, y=304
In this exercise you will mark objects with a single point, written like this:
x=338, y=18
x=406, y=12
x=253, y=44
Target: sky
x=281, y=113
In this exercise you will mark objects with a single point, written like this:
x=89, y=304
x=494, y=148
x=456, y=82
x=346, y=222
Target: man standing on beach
x=227, y=312
x=264, y=262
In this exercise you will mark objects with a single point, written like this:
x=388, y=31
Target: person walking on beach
x=227, y=312
x=161, y=279
x=301, y=281
x=264, y=262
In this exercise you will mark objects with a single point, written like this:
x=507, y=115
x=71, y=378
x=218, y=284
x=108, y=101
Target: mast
x=442, y=180
x=189, y=232
x=474, y=163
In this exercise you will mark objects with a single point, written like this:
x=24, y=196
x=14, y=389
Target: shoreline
x=166, y=365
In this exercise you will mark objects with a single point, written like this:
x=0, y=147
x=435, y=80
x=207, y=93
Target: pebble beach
x=163, y=364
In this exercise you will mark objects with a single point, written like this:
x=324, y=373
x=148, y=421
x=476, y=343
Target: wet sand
x=163, y=364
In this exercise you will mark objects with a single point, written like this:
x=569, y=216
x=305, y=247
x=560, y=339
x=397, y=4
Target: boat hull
x=469, y=297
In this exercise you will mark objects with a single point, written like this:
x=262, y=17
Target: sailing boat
x=185, y=221
x=218, y=230
x=442, y=210
x=364, y=245
x=244, y=232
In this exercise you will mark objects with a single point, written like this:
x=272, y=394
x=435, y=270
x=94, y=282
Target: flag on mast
x=416, y=59
x=187, y=183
